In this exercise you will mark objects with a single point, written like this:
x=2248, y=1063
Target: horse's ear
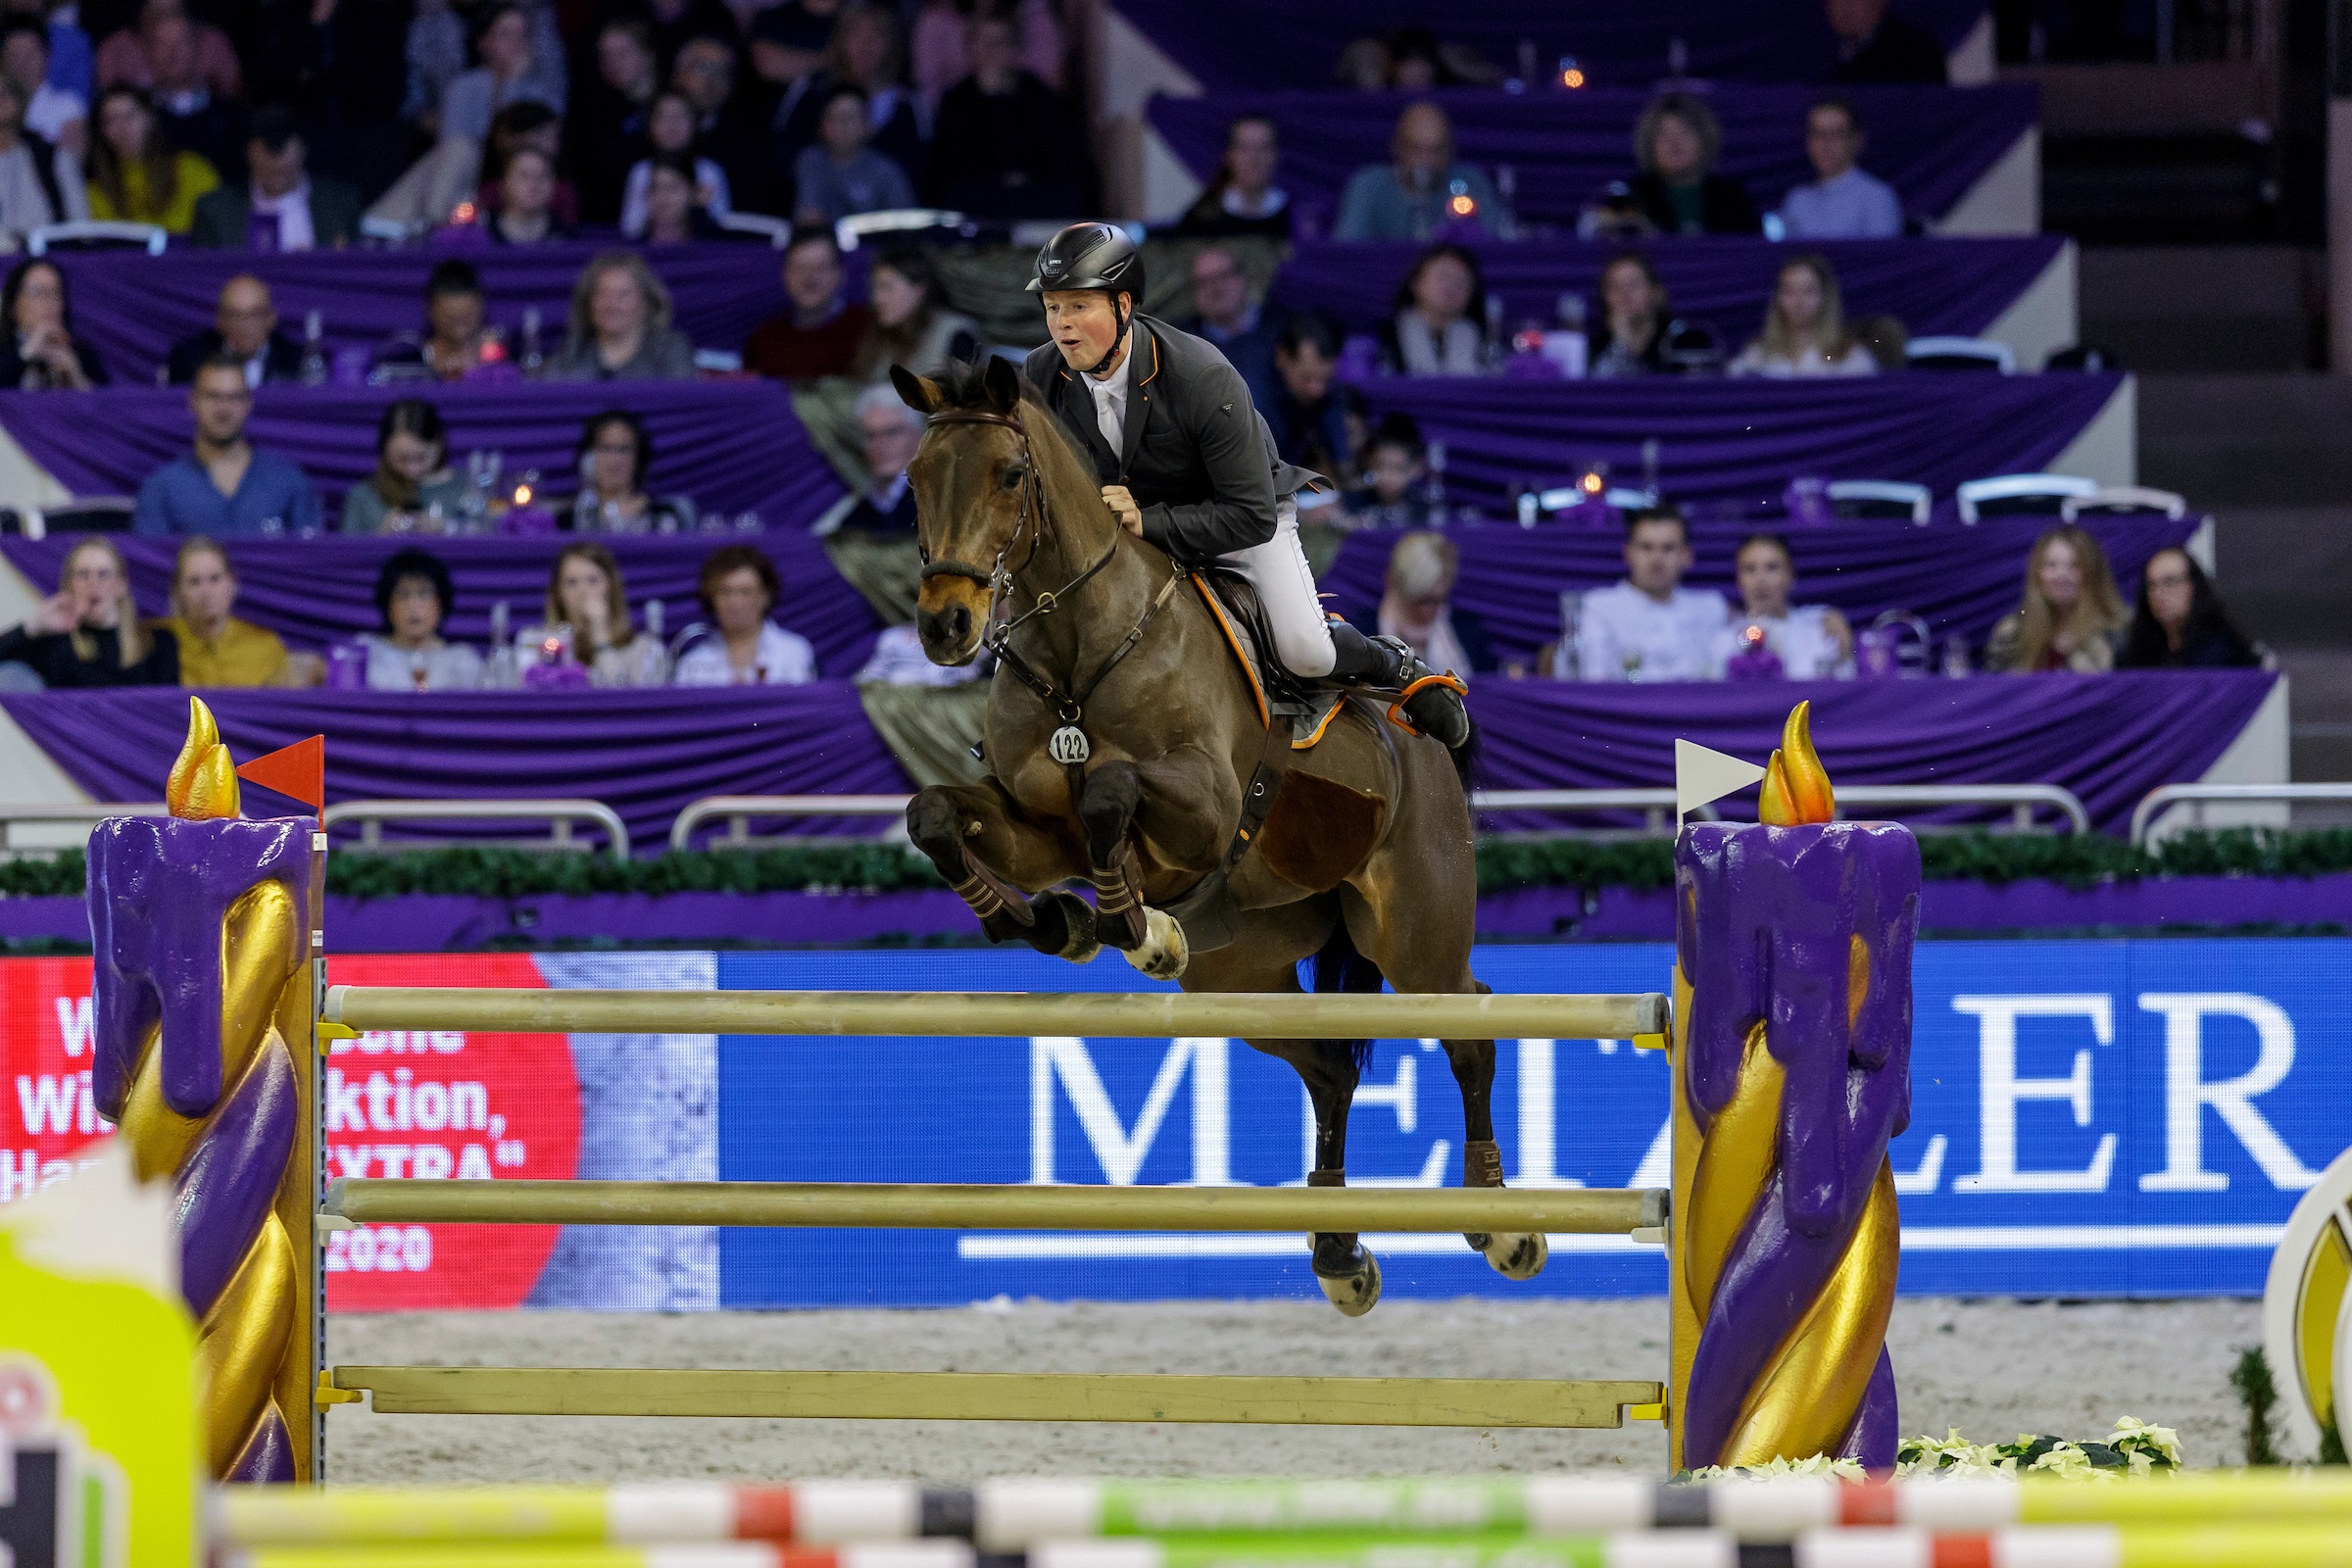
x=918, y=392
x=1004, y=384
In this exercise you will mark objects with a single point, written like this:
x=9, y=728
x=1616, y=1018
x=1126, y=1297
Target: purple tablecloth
x=1949, y=285
x=1932, y=144
x=1958, y=579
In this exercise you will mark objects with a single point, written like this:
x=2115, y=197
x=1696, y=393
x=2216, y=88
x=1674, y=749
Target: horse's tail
x=1339, y=966
x=1466, y=758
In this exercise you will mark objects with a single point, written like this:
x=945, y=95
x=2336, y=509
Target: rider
x=1185, y=462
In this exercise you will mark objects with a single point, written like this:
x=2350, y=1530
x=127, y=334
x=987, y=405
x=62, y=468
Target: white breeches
x=1278, y=571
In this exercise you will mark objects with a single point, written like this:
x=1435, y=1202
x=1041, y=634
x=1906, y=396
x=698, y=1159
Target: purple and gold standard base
x=1791, y=1063
x=203, y=1006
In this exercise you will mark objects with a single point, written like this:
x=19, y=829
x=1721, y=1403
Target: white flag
x=1702, y=776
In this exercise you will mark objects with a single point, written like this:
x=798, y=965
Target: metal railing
x=92, y=812
x=2196, y=796
x=558, y=815
x=737, y=810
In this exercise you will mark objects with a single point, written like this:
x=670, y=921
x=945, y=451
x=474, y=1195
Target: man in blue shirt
x=1843, y=202
x=224, y=486
x=1423, y=192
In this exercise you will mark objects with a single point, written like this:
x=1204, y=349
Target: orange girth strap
x=1449, y=680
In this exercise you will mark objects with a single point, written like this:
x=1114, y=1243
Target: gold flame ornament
x=1796, y=787
x=203, y=784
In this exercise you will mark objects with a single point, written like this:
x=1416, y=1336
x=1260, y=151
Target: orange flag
x=298, y=771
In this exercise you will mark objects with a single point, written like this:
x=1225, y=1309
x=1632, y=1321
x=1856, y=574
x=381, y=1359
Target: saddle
x=1298, y=705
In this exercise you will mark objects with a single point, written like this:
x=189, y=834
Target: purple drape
x=1958, y=579
x=1742, y=441
x=731, y=446
x=646, y=754
x=317, y=591
x=133, y=306
x=1932, y=144
x=1952, y=285
x=1245, y=43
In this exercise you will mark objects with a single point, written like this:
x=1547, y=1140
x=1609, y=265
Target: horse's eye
x=1014, y=475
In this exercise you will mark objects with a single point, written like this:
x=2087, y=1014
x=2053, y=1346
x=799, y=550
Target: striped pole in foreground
x=815, y=1512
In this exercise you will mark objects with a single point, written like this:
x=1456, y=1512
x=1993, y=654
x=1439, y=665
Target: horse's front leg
x=988, y=856
x=1178, y=801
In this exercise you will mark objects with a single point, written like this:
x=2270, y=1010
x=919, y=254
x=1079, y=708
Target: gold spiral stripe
x=2319, y=1299
x=244, y=1341
x=1735, y=1163
x=261, y=944
x=160, y=1139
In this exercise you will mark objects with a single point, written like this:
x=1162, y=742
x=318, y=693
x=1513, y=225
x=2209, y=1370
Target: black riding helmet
x=1094, y=256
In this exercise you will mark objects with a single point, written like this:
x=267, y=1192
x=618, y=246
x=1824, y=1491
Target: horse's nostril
x=960, y=623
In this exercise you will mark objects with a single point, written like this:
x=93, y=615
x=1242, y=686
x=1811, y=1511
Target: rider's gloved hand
x=1122, y=506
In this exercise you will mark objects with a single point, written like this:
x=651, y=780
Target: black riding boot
x=1435, y=709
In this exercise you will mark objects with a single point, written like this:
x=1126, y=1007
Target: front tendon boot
x=1431, y=703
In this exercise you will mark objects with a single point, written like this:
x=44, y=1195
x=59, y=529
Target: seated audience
x=245, y=329
x=912, y=326
x=1440, y=327
x=1841, y=202
x=40, y=183
x=1396, y=488
x=1649, y=627
x=88, y=633
x=2073, y=616
x=607, y=125
x=1631, y=335
x=40, y=352
x=614, y=454
x=215, y=648
x=58, y=114
x=1804, y=328
x=839, y=175
x=1005, y=144
x=2180, y=623
x=1240, y=197
x=741, y=647
x=730, y=128
x=671, y=23
x=673, y=204
x=71, y=59
x=1415, y=194
x=195, y=114
x=1676, y=144
x=1317, y=422
x=412, y=489
x=1224, y=314
x=457, y=341
x=407, y=654
x=129, y=56
x=526, y=196
x=938, y=50
x=136, y=175
x=862, y=53
x=281, y=206
x=788, y=39
x=521, y=60
x=1416, y=608
x=669, y=128
x=434, y=56
x=226, y=485
x=898, y=660
x=587, y=618
x=1808, y=642
x=620, y=327
x=886, y=506
x=524, y=123
x=819, y=332
x=1873, y=46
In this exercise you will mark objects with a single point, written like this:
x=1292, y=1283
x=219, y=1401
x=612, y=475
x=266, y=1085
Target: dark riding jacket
x=1197, y=459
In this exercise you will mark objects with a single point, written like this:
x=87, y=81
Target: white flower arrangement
x=2135, y=1448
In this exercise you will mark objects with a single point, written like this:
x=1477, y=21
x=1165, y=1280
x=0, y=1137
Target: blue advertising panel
x=2090, y=1118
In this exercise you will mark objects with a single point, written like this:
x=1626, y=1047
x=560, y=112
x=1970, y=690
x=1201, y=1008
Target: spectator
x=671, y=23
x=71, y=59
x=1841, y=202
x=407, y=654
x=412, y=490
x=1440, y=327
x=226, y=485
x=670, y=130
x=840, y=176
x=1224, y=314
x=434, y=54
x=788, y=40
x=886, y=506
x=614, y=454
x=587, y=617
x=136, y=175
x=866, y=54
x=728, y=128
x=1676, y=144
x=215, y=648
x=88, y=633
x=1416, y=608
x=606, y=129
x=942, y=31
x=1809, y=642
x=526, y=195
x=244, y=329
x=1649, y=627
x=1421, y=189
x=457, y=341
x=898, y=660
x=1005, y=144
x=40, y=352
x=337, y=66
x=131, y=56
x=1872, y=46
x=517, y=65
x=673, y=204
x=1396, y=488
x=911, y=327
x=1804, y=328
x=1630, y=336
x=739, y=587
x=39, y=184
x=2180, y=623
x=819, y=332
x=200, y=116
x=2072, y=618
x=1313, y=419
x=1240, y=197
x=59, y=116
x=521, y=124
x=281, y=207
x=620, y=327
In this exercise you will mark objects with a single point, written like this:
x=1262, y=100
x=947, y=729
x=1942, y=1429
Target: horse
x=1131, y=748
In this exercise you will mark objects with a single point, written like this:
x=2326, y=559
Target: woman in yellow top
x=217, y=649
x=136, y=175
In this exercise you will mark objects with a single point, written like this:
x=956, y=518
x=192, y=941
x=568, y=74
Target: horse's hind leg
x=986, y=853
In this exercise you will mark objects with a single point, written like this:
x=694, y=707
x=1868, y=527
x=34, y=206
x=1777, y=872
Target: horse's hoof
x=1355, y=1294
x=1077, y=942
x=1163, y=952
x=1517, y=1257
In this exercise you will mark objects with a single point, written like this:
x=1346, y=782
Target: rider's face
x=1083, y=325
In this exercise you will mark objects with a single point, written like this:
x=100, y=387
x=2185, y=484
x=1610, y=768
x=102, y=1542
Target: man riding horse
x=1187, y=462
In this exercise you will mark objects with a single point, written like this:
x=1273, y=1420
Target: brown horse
x=1363, y=861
